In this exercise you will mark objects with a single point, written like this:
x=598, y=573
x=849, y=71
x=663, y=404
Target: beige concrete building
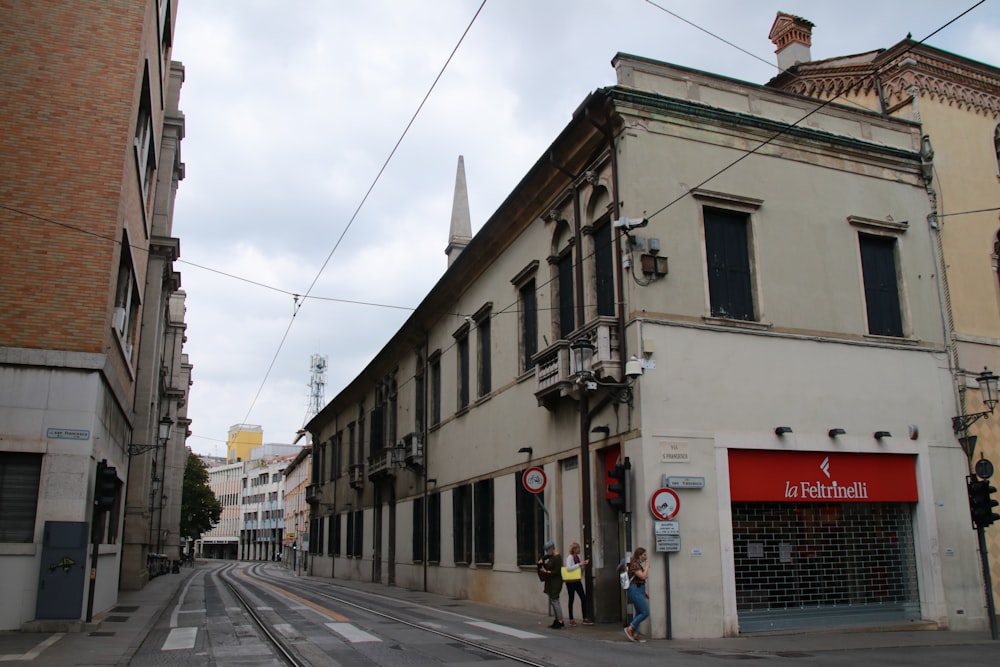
x=722, y=287
x=957, y=103
x=297, y=477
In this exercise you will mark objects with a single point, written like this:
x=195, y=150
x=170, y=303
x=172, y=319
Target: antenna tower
x=317, y=381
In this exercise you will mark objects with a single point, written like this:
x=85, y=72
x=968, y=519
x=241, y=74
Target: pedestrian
x=573, y=576
x=638, y=570
x=551, y=568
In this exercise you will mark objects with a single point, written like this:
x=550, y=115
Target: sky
x=322, y=139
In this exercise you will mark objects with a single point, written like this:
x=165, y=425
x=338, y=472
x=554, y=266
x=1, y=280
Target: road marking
x=351, y=633
x=35, y=652
x=180, y=638
x=504, y=630
x=287, y=630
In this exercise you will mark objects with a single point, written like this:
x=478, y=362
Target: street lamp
x=582, y=351
x=988, y=387
x=165, y=426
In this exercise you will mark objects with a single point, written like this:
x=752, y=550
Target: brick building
x=92, y=366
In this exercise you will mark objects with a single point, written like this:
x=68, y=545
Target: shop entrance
x=808, y=565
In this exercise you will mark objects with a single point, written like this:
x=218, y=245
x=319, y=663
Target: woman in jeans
x=575, y=586
x=638, y=570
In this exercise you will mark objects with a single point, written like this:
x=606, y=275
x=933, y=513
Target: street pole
x=588, y=579
x=985, y=559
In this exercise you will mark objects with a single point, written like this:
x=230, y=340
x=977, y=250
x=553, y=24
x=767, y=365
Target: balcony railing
x=356, y=473
x=554, y=374
x=312, y=494
x=411, y=451
x=382, y=463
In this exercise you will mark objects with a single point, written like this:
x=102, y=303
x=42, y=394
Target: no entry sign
x=534, y=480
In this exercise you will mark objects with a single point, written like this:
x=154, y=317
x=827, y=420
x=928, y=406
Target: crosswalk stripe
x=504, y=630
x=180, y=638
x=351, y=633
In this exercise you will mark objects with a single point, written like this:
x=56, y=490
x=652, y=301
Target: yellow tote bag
x=572, y=575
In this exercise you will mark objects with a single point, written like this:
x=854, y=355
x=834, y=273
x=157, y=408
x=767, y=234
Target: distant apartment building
x=262, y=508
x=297, y=478
x=222, y=541
x=93, y=373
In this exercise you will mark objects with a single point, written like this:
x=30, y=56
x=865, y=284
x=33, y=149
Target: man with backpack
x=549, y=571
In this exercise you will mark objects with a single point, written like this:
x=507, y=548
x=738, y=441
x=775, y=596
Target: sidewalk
x=117, y=634
x=111, y=639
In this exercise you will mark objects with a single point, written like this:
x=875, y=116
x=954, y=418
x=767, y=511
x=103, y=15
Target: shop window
x=530, y=520
x=881, y=283
x=727, y=249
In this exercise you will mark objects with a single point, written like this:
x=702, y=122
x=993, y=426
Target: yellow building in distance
x=243, y=439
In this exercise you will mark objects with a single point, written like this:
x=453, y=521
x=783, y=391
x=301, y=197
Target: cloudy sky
x=294, y=107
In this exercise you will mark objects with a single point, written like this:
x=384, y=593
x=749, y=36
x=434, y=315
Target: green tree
x=200, y=509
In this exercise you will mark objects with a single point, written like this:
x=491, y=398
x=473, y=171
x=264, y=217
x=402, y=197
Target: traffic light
x=618, y=489
x=980, y=503
x=106, y=488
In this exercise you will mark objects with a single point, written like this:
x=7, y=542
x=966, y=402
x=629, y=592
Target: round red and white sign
x=534, y=480
x=665, y=504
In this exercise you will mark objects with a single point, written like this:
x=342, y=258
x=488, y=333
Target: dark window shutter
x=567, y=319
x=529, y=323
x=604, y=269
x=878, y=264
x=729, y=279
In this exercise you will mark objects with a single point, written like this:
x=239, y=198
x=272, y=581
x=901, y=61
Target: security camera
x=633, y=369
x=630, y=223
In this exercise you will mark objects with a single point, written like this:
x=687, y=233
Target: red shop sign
x=821, y=477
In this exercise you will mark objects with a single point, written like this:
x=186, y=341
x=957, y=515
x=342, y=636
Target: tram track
x=265, y=630
x=300, y=590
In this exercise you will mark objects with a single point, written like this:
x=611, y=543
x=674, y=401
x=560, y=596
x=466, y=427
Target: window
x=19, y=477
x=996, y=144
x=878, y=266
x=530, y=518
x=462, y=519
x=727, y=250
x=484, y=521
x=483, y=356
x=436, y=388
x=355, y=533
x=334, y=547
x=529, y=324
x=351, y=449
x=337, y=454
x=462, y=346
x=567, y=317
x=125, y=315
x=434, y=528
x=418, y=530
x=419, y=394
x=604, y=270
x=145, y=151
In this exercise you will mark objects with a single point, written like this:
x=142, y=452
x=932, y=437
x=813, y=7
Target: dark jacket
x=553, y=585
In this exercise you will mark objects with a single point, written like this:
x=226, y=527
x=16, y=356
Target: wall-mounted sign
x=683, y=482
x=667, y=528
x=67, y=434
x=534, y=480
x=674, y=452
x=668, y=543
x=665, y=504
x=821, y=477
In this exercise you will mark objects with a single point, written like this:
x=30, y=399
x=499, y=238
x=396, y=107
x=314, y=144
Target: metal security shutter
x=19, y=476
x=813, y=565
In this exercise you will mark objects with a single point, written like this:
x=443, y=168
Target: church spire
x=461, y=222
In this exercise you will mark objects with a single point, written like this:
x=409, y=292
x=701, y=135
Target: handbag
x=572, y=575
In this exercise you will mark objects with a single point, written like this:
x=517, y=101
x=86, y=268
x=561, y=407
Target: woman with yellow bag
x=572, y=574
